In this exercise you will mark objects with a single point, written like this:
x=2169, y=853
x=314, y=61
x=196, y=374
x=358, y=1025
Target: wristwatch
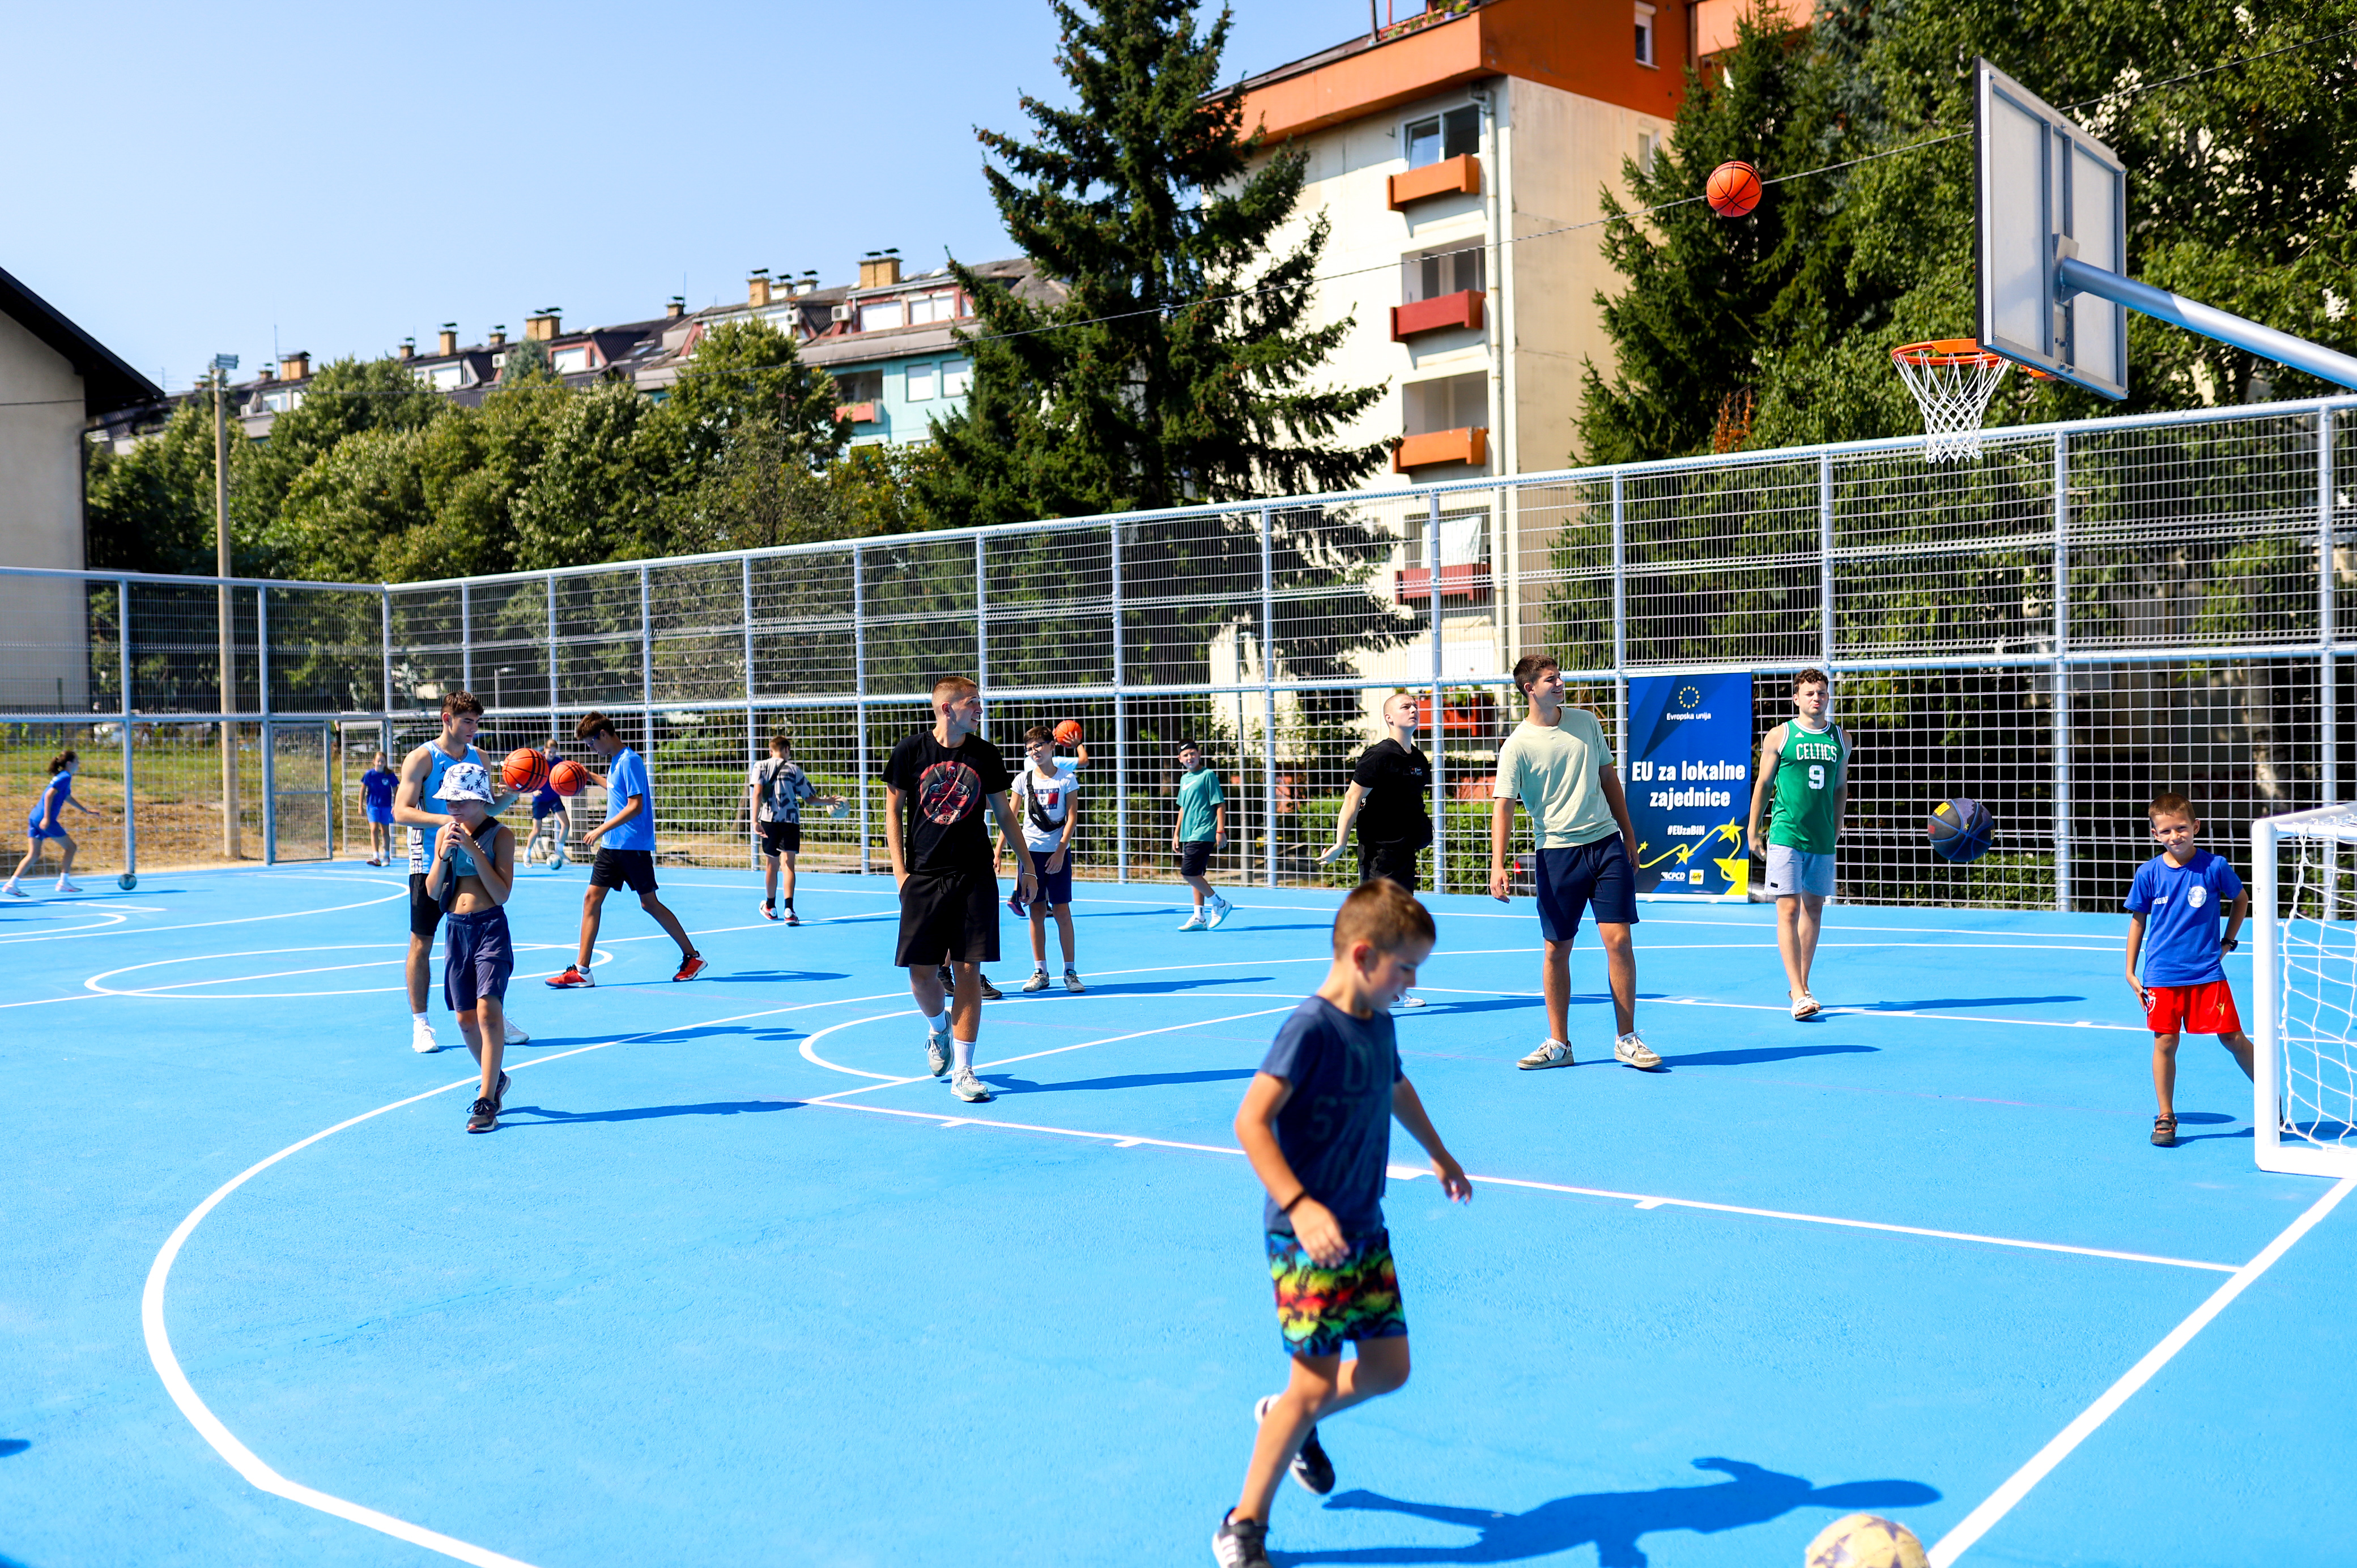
x=2228, y=944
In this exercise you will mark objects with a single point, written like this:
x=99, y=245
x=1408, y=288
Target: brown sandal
x=2164, y=1132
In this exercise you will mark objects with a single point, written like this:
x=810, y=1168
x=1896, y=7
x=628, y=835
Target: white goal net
x=2305, y=983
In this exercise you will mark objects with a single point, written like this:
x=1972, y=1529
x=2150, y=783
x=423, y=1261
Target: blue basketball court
x=734, y=1282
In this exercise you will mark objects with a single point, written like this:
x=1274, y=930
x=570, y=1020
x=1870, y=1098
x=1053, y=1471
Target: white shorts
x=1792, y=871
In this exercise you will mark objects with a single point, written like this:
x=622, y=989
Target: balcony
x=1450, y=176
x=1468, y=445
x=858, y=412
x=1449, y=311
x=1468, y=583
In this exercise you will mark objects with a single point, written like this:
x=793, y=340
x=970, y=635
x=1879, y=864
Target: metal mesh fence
x=2076, y=619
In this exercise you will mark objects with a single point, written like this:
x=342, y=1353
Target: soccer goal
x=2304, y=1096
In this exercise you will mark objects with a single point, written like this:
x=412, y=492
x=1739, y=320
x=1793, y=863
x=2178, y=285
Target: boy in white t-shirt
x=1045, y=797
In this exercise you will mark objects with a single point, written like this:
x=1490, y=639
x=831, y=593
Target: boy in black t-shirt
x=1386, y=798
x=1315, y=1124
x=947, y=876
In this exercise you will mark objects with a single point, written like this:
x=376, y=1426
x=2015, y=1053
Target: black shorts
x=1390, y=862
x=631, y=868
x=948, y=916
x=478, y=959
x=1595, y=877
x=424, y=910
x=781, y=838
x=1195, y=856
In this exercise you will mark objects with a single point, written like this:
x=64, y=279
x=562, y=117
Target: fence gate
x=299, y=792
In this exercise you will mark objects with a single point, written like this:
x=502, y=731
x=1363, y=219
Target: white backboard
x=2042, y=180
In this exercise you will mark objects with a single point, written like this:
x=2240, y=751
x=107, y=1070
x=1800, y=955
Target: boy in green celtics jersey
x=1804, y=769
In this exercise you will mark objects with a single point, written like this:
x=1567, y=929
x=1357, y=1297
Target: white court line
x=402, y=892
x=1999, y=1503
x=888, y=1081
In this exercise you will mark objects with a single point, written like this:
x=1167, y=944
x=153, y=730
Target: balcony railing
x=1447, y=178
x=1468, y=445
x=1462, y=308
x=1469, y=582
x=858, y=412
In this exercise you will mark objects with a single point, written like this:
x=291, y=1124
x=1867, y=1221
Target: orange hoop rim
x=1945, y=351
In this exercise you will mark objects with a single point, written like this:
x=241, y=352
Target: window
x=1648, y=146
x=878, y=315
x=442, y=378
x=1444, y=136
x=927, y=307
x=956, y=376
x=279, y=403
x=1449, y=403
x=1644, y=33
x=1464, y=538
x=571, y=361
x=1436, y=273
x=860, y=386
x=786, y=321
x=922, y=379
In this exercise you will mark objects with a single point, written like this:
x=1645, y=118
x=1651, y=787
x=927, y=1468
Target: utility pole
x=222, y=365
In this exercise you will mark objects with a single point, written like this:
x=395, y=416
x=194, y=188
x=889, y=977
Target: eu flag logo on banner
x=1689, y=782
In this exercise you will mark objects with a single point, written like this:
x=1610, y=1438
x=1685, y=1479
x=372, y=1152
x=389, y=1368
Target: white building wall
x=42, y=626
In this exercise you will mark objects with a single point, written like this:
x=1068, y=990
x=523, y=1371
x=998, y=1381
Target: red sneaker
x=689, y=968
x=574, y=978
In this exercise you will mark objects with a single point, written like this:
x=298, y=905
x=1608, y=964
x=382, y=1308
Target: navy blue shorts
x=477, y=959
x=1593, y=876
x=1055, y=887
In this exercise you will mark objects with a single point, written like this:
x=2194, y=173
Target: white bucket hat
x=466, y=781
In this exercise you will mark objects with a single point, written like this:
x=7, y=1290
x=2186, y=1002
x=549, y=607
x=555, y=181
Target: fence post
x=130, y=797
x=232, y=834
x=982, y=632
x=1120, y=720
x=385, y=646
x=1620, y=620
x=1825, y=556
x=269, y=731
x=752, y=728
x=551, y=651
x=2061, y=671
x=2327, y=615
x=647, y=653
x=1440, y=719
x=1268, y=696
x=465, y=637
x=859, y=691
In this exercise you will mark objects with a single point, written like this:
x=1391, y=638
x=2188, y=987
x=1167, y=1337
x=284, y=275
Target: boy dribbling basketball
x=2174, y=906
x=626, y=856
x=1315, y=1124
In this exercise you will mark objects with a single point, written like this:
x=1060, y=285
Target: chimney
x=295, y=367
x=757, y=288
x=266, y=374
x=543, y=327
x=447, y=340
x=880, y=269
x=408, y=350
x=675, y=308
x=499, y=335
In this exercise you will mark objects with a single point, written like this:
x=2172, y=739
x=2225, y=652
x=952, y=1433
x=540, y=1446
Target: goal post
x=2303, y=991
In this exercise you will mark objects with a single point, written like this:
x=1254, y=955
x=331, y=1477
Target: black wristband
x=1287, y=1208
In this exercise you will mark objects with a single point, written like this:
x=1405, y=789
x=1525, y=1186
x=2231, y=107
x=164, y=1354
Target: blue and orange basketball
x=1961, y=829
x=524, y=770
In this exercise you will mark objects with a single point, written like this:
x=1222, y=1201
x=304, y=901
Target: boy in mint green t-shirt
x=1201, y=827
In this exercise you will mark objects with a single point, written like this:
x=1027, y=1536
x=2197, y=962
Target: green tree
x=1173, y=364
x=600, y=488
x=345, y=397
x=151, y=509
x=747, y=380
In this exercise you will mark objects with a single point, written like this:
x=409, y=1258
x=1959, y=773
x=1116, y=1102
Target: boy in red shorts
x=2179, y=896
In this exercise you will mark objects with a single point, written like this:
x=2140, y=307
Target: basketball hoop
x=1953, y=380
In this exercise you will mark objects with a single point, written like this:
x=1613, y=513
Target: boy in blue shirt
x=626, y=857
x=1315, y=1124
x=2179, y=896
x=376, y=796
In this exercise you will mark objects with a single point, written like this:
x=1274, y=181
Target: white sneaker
x=1220, y=909
x=421, y=1037
x=1072, y=981
x=1039, y=981
x=514, y=1035
x=15, y=892
x=968, y=1088
x=1194, y=922
x=1554, y=1053
x=937, y=1052
x=1409, y=1002
x=1806, y=1006
x=64, y=886
x=1632, y=1050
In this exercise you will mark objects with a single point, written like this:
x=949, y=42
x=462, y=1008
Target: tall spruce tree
x=1176, y=367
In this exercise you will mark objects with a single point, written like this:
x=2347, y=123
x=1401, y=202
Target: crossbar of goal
x=2303, y=991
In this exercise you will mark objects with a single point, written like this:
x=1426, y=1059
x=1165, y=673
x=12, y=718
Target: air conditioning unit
x=842, y=313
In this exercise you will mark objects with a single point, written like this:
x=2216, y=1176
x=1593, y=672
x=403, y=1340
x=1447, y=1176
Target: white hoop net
x=1953, y=379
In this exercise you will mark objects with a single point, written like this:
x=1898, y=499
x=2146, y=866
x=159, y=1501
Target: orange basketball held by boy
x=568, y=777
x=1734, y=189
x=1068, y=732
x=525, y=770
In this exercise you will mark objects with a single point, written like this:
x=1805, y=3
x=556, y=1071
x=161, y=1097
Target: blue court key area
x=726, y=1288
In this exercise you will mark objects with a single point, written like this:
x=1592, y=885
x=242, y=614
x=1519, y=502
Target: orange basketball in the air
x=1068, y=732
x=524, y=770
x=568, y=777
x=1734, y=189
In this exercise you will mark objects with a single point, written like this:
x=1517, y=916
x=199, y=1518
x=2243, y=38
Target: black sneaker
x=1311, y=1469
x=949, y=984
x=1240, y=1543
x=483, y=1116
x=989, y=993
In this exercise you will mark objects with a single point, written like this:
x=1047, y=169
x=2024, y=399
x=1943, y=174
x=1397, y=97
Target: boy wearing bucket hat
x=473, y=873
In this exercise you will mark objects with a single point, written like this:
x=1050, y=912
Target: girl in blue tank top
x=47, y=821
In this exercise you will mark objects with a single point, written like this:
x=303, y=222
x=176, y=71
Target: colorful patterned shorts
x=1318, y=1309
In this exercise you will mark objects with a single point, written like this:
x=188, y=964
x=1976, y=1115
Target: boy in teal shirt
x=1201, y=827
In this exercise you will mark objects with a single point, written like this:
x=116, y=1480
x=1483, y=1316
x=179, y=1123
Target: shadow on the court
x=549, y=1117
x=1763, y=1054
x=1159, y=987
x=772, y=976
x=2207, y=1119
x=9, y=1445
x=1128, y=1081
x=1950, y=1001
x=1615, y=1522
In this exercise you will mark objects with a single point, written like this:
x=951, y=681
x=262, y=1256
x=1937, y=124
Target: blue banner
x=1689, y=782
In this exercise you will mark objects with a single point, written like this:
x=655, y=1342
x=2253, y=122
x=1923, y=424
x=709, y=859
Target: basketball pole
x=2072, y=277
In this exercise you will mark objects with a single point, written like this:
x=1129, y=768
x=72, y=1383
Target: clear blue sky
x=186, y=180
